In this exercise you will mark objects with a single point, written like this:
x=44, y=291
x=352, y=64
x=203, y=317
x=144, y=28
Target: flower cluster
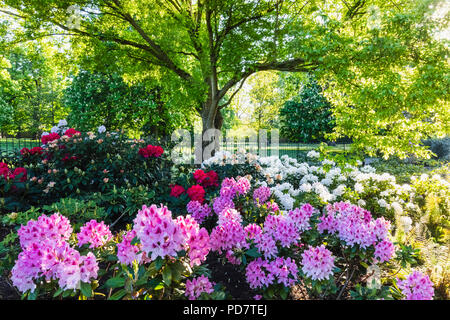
x=196, y=286
x=176, y=190
x=6, y=172
x=127, y=252
x=318, y=263
x=94, y=233
x=71, y=132
x=206, y=179
x=35, y=150
x=162, y=236
x=198, y=211
x=196, y=193
x=261, y=194
x=46, y=138
x=262, y=273
x=158, y=233
x=46, y=254
x=151, y=151
x=355, y=226
x=416, y=286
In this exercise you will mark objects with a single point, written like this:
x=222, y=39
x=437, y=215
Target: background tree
x=96, y=99
x=32, y=92
x=308, y=117
x=380, y=57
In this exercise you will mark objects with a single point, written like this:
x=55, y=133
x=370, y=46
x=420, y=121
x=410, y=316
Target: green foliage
x=308, y=117
x=385, y=71
x=97, y=99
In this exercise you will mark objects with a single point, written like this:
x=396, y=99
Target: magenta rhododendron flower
x=94, y=233
x=416, y=286
x=318, y=263
x=55, y=228
x=196, y=286
x=198, y=211
x=261, y=194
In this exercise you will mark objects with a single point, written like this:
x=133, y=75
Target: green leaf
x=86, y=289
x=167, y=275
x=118, y=294
x=115, y=282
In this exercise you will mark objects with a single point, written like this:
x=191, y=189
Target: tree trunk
x=211, y=119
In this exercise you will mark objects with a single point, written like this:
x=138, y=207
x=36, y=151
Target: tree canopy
x=386, y=72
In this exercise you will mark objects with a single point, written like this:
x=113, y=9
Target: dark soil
x=229, y=276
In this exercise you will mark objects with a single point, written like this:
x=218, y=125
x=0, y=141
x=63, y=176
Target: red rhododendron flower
x=22, y=171
x=176, y=191
x=206, y=179
x=24, y=151
x=37, y=150
x=151, y=151
x=71, y=132
x=196, y=193
x=50, y=137
x=4, y=170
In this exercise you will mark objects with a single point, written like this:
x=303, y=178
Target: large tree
x=381, y=55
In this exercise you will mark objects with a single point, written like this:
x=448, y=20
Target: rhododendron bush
x=159, y=257
x=76, y=164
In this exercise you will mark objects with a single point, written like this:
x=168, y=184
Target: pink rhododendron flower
x=127, y=252
x=416, y=286
x=55, y=228
x=384, y=251
x=257, y=274
x=229, y=214
x=53, y=260
x=159, y=234
x=196, y=286
x=318, y=263
x=94, y=233
x=301, y=216
x=199, y=247
x=222, y=203
x=285, y=271
x=252, y=230
x=266, y=245
x=228, y=235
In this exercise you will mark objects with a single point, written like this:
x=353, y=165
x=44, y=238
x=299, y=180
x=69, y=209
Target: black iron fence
x=10, y=145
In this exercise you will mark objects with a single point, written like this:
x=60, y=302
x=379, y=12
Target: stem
x=346, y=282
